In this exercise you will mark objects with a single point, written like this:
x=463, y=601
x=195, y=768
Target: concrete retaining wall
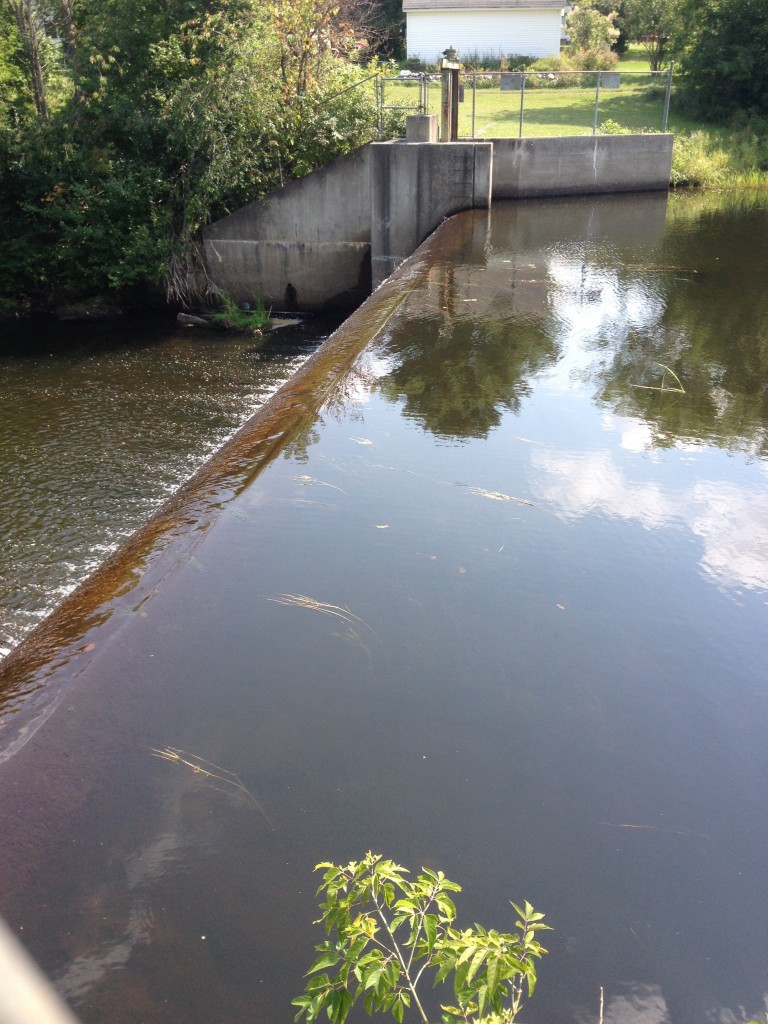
x=415, y=187
x=581, y=165
x=313, y=244
x=305, y=247
x=326, y=240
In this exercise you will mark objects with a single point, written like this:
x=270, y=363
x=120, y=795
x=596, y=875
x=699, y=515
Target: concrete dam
x=328, y=240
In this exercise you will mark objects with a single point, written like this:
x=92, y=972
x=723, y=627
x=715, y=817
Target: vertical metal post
x=597, y=102
x=446, y=97
x=454, y=105
x=522, y=105
x=666, y=98
x=474, y=100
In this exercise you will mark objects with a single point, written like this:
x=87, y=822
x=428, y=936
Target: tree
x=653, y=23
x=589, y=30
x=29, y=23
x=388, y=932
x=723, y=51
x=155, y=118
x=15, y=92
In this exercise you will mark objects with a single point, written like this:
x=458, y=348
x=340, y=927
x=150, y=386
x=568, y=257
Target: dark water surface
x=551, y=683
x=98, y=424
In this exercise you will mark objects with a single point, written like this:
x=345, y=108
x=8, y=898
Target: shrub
x=388, y=931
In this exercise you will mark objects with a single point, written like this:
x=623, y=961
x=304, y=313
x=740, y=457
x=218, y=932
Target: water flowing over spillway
x=101, y=423
x=484, y=589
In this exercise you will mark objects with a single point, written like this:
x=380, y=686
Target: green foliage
x=722, y=158
x=654, y=23
x=474, y=60
x=233, y=317
x=589, y=29
x=610, y=127
x=388, y=932
x=167, y=116
x=722, y=46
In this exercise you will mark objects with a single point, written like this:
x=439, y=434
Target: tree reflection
x=712, y=330
x=457, y=374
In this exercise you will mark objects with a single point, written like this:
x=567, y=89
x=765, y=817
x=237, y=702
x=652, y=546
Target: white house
x=529, y=28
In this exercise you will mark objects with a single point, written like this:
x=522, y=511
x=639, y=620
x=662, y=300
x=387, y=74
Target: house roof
x=482, y=5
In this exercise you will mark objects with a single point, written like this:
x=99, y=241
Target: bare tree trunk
x=25, y=13
x=69, y=40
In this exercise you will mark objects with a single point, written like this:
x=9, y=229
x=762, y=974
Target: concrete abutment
x=326, y=240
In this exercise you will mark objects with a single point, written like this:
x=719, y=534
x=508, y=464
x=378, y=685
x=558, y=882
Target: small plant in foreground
x=388, y=932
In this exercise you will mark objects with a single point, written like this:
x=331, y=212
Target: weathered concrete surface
x=313, y=245
x=421, y=128
x=292, y=275
x=415, y=187
x=305, y=247
x=326, y=240
x=580, y=165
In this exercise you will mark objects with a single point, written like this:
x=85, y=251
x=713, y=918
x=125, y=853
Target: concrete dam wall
x=327, y=240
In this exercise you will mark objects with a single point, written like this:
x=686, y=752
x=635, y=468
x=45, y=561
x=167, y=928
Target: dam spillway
x=543, y=670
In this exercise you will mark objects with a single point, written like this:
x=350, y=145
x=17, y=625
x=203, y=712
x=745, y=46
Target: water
x=98, y=424
x=553, y=685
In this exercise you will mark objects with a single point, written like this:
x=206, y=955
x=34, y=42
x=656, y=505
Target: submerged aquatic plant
x=199, y=766
x=679, y=390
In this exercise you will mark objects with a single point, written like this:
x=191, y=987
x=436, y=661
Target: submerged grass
x=200, y=766
x=679, y=390
x=334, y=611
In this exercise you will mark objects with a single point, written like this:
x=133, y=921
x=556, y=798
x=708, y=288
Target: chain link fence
x=528, y=104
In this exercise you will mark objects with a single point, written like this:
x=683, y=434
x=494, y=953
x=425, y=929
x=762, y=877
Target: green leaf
x=477, y=962
x=326, y=959
x=372, y=977
x=492, y=975
x=430, y=931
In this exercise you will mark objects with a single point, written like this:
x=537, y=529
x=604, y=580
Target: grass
x=208, y=770
x=635, y=58
x=232, y=317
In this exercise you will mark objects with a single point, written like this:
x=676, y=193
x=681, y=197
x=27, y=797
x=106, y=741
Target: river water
x=495, y=603
x=98, y=424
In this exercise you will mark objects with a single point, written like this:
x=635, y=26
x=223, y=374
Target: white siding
x=528, y=33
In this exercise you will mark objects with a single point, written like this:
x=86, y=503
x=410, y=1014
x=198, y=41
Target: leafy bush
x=474, y=60
x=233, y=317
x=723, y=54
x=610, y=127
x=388, y=931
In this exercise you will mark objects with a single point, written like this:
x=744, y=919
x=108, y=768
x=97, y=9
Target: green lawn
x=635, y=58
x=636, y=105
x=565, y=106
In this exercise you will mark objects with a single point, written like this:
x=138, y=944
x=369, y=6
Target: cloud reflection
x=636, y=1004
x=729, y=520
x=144, y=866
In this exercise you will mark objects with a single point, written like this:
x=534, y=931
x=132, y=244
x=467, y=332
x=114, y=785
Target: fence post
x=522, y=105
x=474, y=100
x=666, y=98
x=597, y=102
